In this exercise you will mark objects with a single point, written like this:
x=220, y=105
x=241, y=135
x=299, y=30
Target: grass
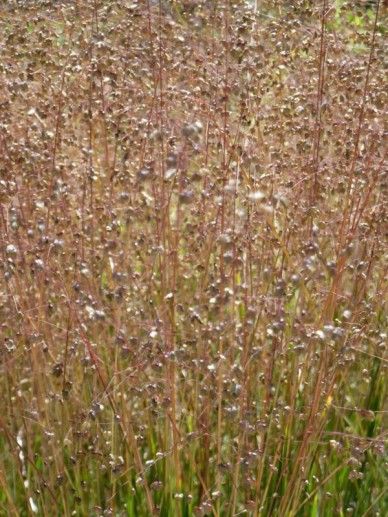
x=192, y=228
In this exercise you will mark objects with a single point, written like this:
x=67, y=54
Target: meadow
x=193, y=291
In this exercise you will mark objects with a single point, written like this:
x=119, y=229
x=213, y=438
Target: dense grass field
x=193, y=222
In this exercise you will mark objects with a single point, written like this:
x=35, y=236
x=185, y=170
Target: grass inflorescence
x=192, y=288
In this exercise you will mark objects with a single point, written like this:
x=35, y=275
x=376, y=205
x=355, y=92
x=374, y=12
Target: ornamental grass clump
x=192, y=230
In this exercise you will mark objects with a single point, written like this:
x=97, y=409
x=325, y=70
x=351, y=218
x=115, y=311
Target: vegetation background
x=192, y=231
